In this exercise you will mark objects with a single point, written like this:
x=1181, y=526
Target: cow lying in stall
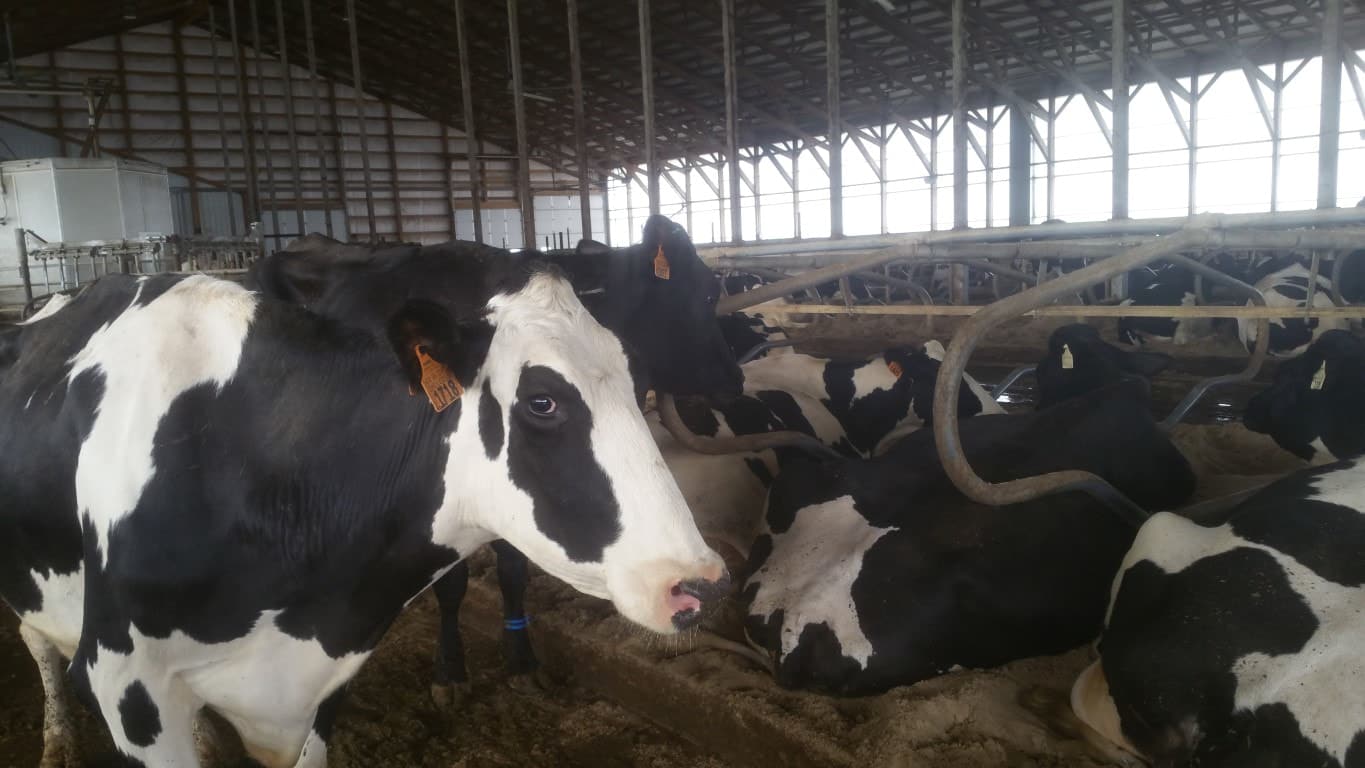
x=856, y=409
x=657, y=297
x=875, y=573
x=216, y=500
x=1238, y=643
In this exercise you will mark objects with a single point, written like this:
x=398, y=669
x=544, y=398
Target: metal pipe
x=317, y=113
x=762, y=347
x=647, y=97
x=1040, y=232
x=288, y=85
x=727, y=31
x=263, y=114
x=470, y=131
x=360, y=116
x=1329, y=119
x=1258, y=354
x=1009, y=380
x=580, y=130
x=834, y=135
x=222, y=121
x=528, y=203
x=1119, y=75
x=252, y=213
x=20, y=237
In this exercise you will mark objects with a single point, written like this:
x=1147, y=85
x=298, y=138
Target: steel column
x=394, y=189
x=252, y=211
x=1021, y=167
x=222, y=120
x=287, y=83
x=360, y=117
x=1329, y=121
x=834, y=134
x=528, y=214
x=186, y=127
x=1277, y=106
x=606, y=210
x=263, y=115
x=957, y=283
x=647, y=95
x=727, y=31
x=317, y=114
x=1119, y=61
x=580, y=130
x=1194, y=137
x=472, y=146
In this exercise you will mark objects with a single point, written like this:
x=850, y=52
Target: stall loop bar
x=946, y=436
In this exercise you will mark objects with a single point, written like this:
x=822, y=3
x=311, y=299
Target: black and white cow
x=213, y=499
x=1240, y=644
x=1165, y=285
x=1314, y=409
x=1288, y=287
x=857, y=409
x=1079, y=361
x=746, y=330
x=657, y=297
x=876, y=573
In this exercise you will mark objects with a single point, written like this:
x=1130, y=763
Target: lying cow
x=212, y=499
x=1240, y=644
x=857, y=409
x=876, y=573
x=1163, y=286
x=1288, y=287
x=657, y=297
x=1313, y=408
x=1079, y=361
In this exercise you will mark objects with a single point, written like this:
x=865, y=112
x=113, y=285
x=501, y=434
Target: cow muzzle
x=689, y=600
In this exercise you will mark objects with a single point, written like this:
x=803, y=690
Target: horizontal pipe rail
x=1290, y=240
x=1073, y=310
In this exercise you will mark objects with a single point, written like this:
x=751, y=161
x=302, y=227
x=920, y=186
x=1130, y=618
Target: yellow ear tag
x=1320, y=377
x=441, y=386
x=895, y=368
x=661, y=269
x=1068, y=362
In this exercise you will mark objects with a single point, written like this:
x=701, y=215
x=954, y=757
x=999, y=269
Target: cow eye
x=542, y=405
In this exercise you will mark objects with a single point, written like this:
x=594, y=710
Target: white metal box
x=77, y=200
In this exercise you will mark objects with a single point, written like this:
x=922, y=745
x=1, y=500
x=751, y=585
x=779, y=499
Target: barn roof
x=895, y=57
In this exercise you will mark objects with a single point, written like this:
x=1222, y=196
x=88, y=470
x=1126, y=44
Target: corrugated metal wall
x=416, y=185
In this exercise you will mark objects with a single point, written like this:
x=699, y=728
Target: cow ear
x=426, y=342
x=1146, y=364
x=587, y=247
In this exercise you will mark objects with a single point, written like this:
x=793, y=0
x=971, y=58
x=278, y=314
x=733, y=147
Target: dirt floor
x=618, y=697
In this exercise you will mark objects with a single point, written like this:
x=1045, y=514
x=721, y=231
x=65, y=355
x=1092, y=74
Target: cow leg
x=314, y=754
x=450, y=678
x=59, y=730
x=513, y=573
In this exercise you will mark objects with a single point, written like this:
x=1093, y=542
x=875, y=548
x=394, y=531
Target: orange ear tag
x=441, y=386
x=661, y=269
x=896, y=369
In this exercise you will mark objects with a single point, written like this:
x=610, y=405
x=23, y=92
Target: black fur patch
x=490, y=421
x=552, y=459
x=138, y=715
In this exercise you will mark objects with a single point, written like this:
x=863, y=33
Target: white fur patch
x=810, y=575
x=63, y=603
x=1246, y=329
x=49, y=309
x=149, y=356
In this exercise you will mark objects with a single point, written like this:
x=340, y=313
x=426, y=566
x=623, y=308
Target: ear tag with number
x=1320, y=377
x=441, y=386
x=1068, y=362
x=661, y=268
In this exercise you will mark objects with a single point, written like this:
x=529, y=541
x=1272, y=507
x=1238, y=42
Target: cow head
x=661, y=298
x=1313, y=407
x=552, y=454
x=1079, y=361
x=918, y=370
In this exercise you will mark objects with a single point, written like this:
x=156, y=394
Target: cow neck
x=602, y=281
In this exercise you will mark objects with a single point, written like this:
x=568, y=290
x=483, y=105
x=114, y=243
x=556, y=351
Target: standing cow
x=212, y=499
x=657, y=297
